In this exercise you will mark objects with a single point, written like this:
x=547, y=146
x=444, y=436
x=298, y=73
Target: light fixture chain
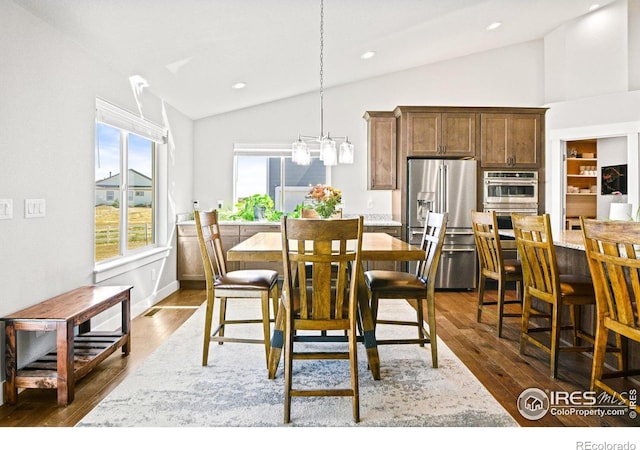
x=321, y=69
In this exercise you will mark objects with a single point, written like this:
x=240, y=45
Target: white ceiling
x=192, y=51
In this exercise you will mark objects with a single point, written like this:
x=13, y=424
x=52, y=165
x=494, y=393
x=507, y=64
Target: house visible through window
x=271, y=171
x=125, y=212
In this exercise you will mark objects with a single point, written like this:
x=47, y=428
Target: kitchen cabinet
x=392, y=230
x=511, y=140
x=433, y=132
x=190, y=268
x=381, y=150
x=245, y=232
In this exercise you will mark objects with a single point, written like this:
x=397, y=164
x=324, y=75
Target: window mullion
x=124, y=187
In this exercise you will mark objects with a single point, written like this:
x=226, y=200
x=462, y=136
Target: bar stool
x=493, y=266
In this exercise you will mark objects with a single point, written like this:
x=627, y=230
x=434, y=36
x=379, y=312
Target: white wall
x=611, y=152
x=595, y=101
x=48, y=87
x=511, y=76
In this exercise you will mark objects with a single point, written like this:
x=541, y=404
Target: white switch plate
x=6, y=208
x=34, y=207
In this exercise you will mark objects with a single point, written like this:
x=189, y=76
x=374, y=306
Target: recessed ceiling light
x=239, y=85
x=594, y=7
x=494, y=25
x=368, y=55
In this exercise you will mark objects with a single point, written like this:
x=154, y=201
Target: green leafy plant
x=246, y=208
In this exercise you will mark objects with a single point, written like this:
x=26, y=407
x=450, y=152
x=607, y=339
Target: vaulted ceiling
x=191, y=52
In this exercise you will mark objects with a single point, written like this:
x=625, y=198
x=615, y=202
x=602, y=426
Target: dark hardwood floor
x=496, y=362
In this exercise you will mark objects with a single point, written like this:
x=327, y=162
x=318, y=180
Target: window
x=125, y=207
x=271, y=171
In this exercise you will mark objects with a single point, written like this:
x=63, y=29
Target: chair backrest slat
x=432, y=241
x=487, y=237
x=537, y=253
x=211, y=249
x=331, y=250
x=613, y=250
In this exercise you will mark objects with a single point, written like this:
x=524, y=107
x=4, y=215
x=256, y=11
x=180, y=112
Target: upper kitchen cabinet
x=381, y=150
x=512, y=140
x=437, y=132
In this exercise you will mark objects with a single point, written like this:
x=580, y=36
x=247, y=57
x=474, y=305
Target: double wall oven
x=507, y=191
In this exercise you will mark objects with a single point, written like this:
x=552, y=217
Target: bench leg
x=65, y=369
x=11, y=390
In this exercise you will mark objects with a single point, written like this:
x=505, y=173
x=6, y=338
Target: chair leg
x=374, y=310
x=500, y=305
x=288, y=367
x=420, y=321
x=266, y=325
x=524, y=329
x=573, y=316
x=207, y=329
x=223, y=317
x=353, y=359
x=599, y=350
x=556, y=322
x=433, y=335
x=481, y=287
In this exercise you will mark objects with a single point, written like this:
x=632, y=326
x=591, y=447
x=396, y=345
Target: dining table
x=267, y=247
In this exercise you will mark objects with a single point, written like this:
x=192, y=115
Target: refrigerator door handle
x=458, y=250
x=445, y=185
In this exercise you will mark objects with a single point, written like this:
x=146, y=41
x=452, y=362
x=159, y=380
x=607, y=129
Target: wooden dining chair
x=493, y=266
x=327, y=303
x=613, y=253
x=418, y=287
x=240, y=285
x=553, y=290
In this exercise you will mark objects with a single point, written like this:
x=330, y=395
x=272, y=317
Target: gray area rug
x=172, y=389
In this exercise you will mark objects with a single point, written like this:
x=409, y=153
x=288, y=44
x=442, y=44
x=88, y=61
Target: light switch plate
x=6, y=208
x=34, y=207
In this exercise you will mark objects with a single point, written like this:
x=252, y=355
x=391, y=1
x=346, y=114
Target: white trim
x=555, y=168
x=122, y=265
x=120, y=118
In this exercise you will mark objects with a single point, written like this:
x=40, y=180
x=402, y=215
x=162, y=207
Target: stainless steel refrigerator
x=445, y=185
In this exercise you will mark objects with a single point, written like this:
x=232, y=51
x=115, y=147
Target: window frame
x=128, y=260
x=269, y=151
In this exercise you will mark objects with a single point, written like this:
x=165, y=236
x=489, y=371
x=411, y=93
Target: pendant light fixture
x=300, y=153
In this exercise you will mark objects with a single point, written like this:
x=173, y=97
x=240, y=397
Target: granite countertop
x=567, y=238
x=370, y=220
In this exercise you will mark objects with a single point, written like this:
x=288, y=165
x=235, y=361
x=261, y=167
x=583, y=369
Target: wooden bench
x=75, y=354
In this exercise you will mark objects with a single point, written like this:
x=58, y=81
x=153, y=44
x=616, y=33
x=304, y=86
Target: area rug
x=172, y=389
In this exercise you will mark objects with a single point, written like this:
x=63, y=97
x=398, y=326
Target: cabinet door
x=394, y=231
x=190, y=266
x=493, y=140
x=458, y=134
x=524, y=140
x=510, y=140
x=381, y=146
x=423, y=134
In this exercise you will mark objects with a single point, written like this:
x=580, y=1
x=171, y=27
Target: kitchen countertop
x=370, y=220
x=567, y=238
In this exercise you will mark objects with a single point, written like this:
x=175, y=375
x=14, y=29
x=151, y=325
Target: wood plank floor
x=495, y=362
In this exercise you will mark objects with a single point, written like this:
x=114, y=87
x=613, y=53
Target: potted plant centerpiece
x=324, y=200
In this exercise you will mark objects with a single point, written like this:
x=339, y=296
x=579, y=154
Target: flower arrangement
x=325, y=199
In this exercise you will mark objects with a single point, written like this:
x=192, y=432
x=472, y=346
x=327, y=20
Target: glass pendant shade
x=346, y=153
x=328, y=152
x=300, y=153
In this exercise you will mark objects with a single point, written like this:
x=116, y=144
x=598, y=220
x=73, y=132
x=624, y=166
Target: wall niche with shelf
x=581, y=197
